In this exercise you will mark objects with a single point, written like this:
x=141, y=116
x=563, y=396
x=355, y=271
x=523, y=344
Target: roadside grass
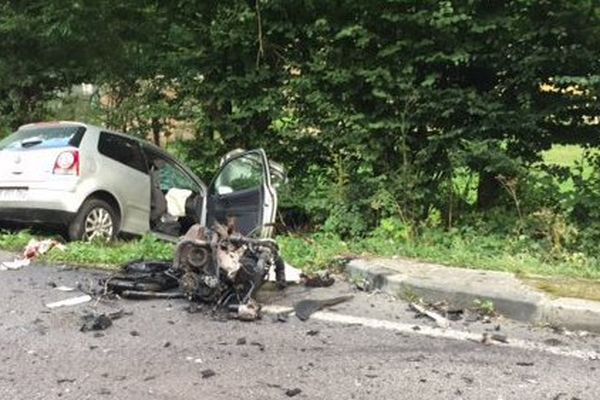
x=15, y=241
x=566, y=287
x=96, y=254
x=491, y=252
x=570, y=275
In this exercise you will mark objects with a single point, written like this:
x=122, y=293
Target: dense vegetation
x=414, y=124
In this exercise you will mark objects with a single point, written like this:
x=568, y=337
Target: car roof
x=99, y=128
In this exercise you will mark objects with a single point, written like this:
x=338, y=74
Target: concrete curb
x=461, y=287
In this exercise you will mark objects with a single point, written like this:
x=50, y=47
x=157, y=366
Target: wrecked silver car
x=97, y=184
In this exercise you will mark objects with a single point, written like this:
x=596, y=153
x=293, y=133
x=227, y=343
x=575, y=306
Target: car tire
x=96, y=219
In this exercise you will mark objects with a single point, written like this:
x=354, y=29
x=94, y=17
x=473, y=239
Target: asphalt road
x=372, y=347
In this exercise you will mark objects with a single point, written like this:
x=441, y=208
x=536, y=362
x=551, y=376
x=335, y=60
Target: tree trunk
x=488, y=190
x=156, y=125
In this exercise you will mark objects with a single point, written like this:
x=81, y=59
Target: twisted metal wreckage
x=217, y=267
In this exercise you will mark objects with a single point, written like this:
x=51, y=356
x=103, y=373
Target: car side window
x=173, y=177
x=243, y=173
x=121, y=149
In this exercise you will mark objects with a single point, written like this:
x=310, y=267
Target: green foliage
x=312, y=253
x=112, y=255
x=406, y=126
x=15, y=241
x=484, y=307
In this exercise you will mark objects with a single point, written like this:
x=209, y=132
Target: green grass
x=564, y=155
x=520, y=256
x=97, y=254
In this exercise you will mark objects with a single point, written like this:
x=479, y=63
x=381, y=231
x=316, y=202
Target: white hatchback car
x=99, y=183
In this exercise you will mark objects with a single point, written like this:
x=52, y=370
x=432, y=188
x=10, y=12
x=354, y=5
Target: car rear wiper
x=31, y=142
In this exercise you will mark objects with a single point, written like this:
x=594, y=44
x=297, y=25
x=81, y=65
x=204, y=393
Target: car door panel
x=241, y=194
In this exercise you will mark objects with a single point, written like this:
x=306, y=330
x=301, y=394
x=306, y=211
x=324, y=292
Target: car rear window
x=46, y=137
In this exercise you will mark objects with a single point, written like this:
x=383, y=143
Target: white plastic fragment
x=16, y=264
x=292, y=274
x=65, y=288
x=73, y=301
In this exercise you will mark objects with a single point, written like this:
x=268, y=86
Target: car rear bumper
x=38, y=205
x=36, y=216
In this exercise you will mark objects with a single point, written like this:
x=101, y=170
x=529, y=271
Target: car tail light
x=67, y=163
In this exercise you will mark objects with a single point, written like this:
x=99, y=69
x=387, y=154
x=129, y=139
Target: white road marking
x=437, y=332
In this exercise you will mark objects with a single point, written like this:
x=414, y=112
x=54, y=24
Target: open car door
x=241, y=194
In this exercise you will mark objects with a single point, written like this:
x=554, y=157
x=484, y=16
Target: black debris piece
x=260, y=346
x=499, y=338
x=207, y=373
x=305, y=308
x=525, y=363
x=319, y=279
x=293, y=392
x=312, y=332
x=95, y=322
x=280, y=317
x=241, y=341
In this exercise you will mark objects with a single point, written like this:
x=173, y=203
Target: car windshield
x=56, y=136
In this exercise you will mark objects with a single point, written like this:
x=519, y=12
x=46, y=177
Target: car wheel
x=95, y=220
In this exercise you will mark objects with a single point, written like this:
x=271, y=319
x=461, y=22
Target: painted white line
x=437, y=332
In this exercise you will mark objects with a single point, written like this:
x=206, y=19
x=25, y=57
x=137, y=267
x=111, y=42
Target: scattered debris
x=280, y=317
x=65, y=288
x=293, y=392
x=16, y=264
x=95, y=322
x=525, y=364
x=247, y=312
x=241, y=341
x=207, y=373
x=312, y=332
x=212, y=266
x=139, y=295
x=438, y=319
x=73, y=301
x=33, y=249
x=553, y=342
x=134, y=333
x=38, y=247
x=260, y=346
x=486, y=339
x=499, y=338
x=319, y=279
x=100, y=322
x=305, y=308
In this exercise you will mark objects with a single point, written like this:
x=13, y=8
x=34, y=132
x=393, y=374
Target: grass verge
x=568, y=276
x=96, y=254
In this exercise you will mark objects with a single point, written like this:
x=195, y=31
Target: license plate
x=13, y=194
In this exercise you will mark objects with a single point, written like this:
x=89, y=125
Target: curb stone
x=461, y=287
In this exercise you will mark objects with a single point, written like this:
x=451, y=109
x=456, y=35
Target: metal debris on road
x=319, y=279
x=65, y=288
x=293, y=392
x=437, y=318
x=215, y=266
x=305, y=308
x=73, y=301
x=207, y=373
x=18, y=263
x=95, y=322
x=100, y=321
